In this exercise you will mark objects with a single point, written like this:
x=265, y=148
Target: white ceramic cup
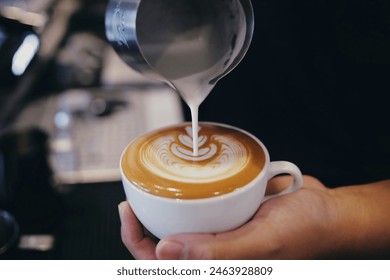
x=166, y=216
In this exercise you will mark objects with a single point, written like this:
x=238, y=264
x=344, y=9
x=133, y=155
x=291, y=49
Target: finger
x=243, y=243
x=186, y=246
x=280, y=183
x=140, y=245
x=312, y=182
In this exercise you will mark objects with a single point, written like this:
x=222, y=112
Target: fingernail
x=170, y=250
x=120, y=209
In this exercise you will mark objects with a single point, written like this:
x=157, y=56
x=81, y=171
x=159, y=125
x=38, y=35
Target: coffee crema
x=162, y=162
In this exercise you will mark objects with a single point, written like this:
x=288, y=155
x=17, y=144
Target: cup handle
x=284, y=167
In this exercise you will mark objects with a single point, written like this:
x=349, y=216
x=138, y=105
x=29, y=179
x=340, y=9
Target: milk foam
x=162, y=163
x=171, y=157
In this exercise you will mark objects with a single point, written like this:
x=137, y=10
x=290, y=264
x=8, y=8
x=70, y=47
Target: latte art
x=163, y=162
x=170, y=157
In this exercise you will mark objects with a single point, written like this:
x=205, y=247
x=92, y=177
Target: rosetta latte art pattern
x=169, y=156
x=162, y=162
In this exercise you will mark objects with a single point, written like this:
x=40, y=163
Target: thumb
x=236, y=244
x=187, y=247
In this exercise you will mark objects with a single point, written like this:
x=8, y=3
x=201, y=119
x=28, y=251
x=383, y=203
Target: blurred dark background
x=313, y=87
x=55, y=221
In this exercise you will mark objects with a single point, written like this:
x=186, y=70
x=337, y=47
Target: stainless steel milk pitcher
x=171, y=39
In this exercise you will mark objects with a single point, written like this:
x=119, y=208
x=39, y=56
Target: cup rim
x=205, y=199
